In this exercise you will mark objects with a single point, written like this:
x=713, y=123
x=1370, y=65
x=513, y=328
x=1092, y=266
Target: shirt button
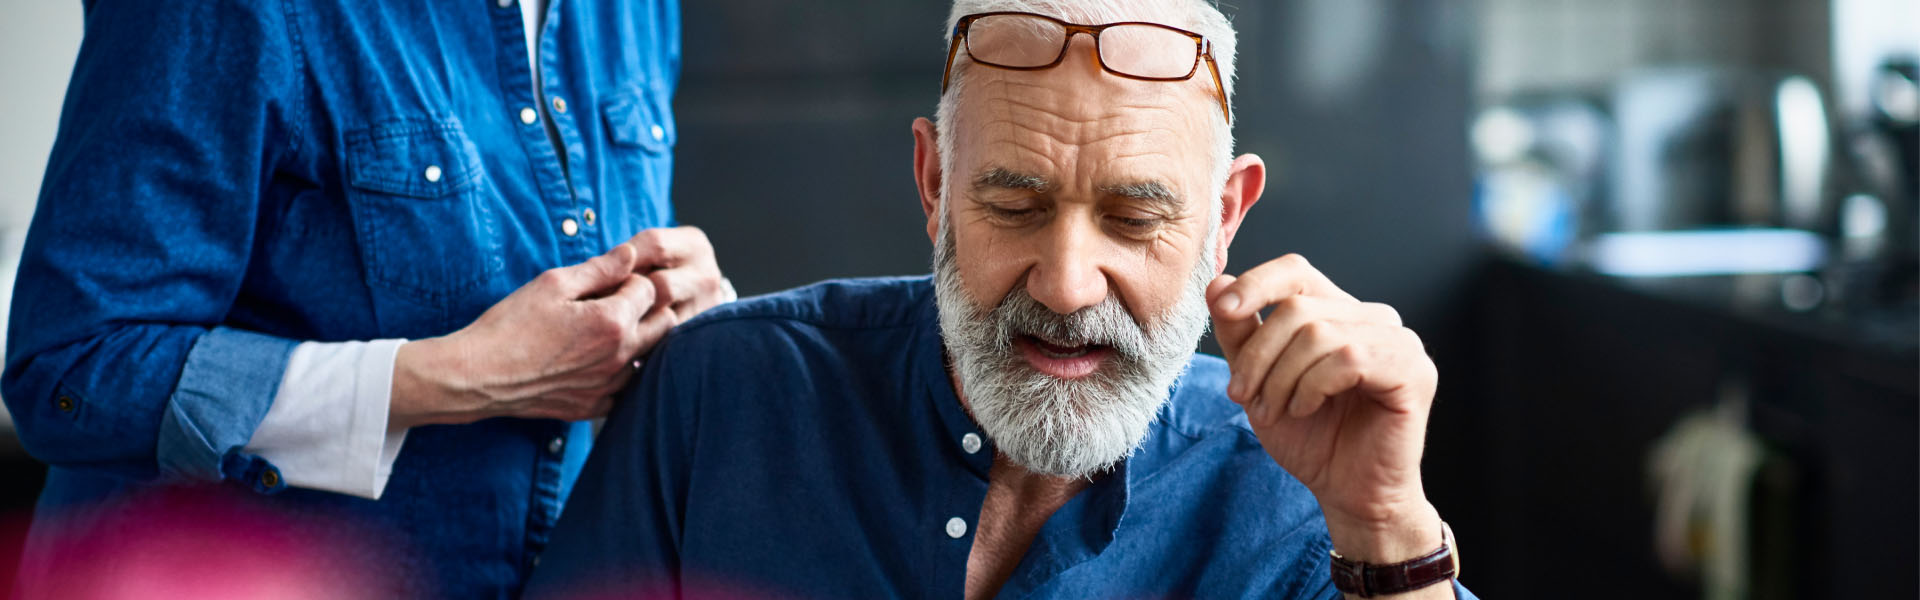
x=570, y=227
x=528, y=116
x=271, y=478
x=506, y=3
x=659, y=134
x=554, y=447
x=559, y=104
x=65, y=403
x=588, y=216
x=433, y=173
x=956, y=528
x=970, y=442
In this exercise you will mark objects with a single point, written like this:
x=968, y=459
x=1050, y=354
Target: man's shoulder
x=864, y=303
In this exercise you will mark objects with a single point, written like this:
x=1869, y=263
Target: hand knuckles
x=1316, y=331
x=1384, y=312
x=650, y=242
x=551, y=278
x=1294, y=261
x=1351, y=355
x=1290, y=305
x=695, y=234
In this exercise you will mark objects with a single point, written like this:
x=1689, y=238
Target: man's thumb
x=1231, y=333
x=601, y=273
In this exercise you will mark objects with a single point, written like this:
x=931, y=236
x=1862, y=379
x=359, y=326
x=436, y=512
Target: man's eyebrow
x=1153, y=192
x=1001, y=178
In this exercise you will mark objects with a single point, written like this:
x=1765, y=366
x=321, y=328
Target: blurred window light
x=1706, y=252
x=1803, y=144
x=1501, y=136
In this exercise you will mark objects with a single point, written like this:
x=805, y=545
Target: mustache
x=1108, y=323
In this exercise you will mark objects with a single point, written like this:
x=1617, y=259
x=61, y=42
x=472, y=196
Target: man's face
x=1082, y=186
x=1072, y=255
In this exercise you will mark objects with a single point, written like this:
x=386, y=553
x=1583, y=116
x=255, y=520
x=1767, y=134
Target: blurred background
x=1663, y=251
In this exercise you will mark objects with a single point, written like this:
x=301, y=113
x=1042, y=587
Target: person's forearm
x=1404, y=536
x=427, y=389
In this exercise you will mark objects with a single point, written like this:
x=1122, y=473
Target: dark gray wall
x=795, y=151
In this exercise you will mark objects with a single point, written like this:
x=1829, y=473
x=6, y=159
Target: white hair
x=1199, y=16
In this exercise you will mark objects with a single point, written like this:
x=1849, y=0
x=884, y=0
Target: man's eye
x=1010, y=214
x=1135, y=224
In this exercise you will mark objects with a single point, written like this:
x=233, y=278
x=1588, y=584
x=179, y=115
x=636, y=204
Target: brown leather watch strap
x=1366, y=581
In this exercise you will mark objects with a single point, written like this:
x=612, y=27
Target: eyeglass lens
x=1021, y=41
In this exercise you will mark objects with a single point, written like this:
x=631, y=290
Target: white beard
x=1060, y=427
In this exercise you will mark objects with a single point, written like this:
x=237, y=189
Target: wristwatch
x=1366, y=581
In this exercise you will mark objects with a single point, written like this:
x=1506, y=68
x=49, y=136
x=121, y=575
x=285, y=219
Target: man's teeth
x=1051, y=350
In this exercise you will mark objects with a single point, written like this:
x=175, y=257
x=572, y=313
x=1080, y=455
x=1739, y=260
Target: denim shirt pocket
x=426, y=229
x=640, y=138
x=639, y=119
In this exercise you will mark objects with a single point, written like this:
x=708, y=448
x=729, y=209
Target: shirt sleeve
x=118, y=360
x=327, y=427
x=620, y=534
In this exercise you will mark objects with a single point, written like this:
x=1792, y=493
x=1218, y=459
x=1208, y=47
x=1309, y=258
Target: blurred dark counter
x=1571, y=379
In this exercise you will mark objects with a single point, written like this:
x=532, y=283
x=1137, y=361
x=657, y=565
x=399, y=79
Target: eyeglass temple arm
x=1206, y=53
x=953, y=50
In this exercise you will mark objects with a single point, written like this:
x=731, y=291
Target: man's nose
x=1068, y=276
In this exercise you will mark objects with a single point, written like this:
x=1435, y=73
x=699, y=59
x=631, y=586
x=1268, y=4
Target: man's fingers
x=1375, y=359
x=1257, y=354
x=691, y=289
x=637, y=292
x=669, y=247
x=1232, y=333
x=1310, y=341
x=652, y=328
x=596, y=275
x=1269, y=283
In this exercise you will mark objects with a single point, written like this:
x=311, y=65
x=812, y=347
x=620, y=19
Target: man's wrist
x=422, y=394
x=1402, y=535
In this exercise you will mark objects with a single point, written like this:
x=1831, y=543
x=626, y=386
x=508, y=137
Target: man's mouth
x=1062, y=361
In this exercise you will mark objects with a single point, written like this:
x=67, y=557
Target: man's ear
x=926, y=173
x=1246, y=180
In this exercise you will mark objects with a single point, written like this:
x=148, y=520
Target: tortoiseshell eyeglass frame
x=1202, y=50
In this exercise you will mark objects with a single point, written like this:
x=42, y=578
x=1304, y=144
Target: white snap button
x=570, y=227
x=970, y=442
x=956, y=528
x=559, y=104
x=528, y=116
x=659, y=133
x=506, y=3
x=433, y=172
x=554, y=447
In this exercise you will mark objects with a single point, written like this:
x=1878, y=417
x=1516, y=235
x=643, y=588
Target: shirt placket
x=578, y=220
x=557, y=199
x=565, y=203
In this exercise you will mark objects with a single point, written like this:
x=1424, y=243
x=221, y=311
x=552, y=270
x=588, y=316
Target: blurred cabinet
x=1574, y=378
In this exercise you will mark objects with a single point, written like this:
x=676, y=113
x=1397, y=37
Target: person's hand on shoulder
x=680, y=263
x=559, y=347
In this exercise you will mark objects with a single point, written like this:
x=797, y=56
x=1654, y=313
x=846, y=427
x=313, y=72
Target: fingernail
x=1229, y=301
x=1259, y=410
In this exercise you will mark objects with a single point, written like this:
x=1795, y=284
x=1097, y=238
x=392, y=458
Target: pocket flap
x=634, y=119
x=419, y=158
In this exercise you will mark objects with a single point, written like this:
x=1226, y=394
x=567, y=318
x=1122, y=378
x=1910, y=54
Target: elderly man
x=1032, y=419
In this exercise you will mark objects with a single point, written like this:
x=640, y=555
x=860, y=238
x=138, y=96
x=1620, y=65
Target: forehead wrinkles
x=1055, y=125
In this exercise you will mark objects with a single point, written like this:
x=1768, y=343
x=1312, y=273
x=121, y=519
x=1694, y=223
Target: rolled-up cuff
x=225, y=389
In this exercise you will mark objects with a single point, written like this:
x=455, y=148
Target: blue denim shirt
x=233, y=177
x=809, y=445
